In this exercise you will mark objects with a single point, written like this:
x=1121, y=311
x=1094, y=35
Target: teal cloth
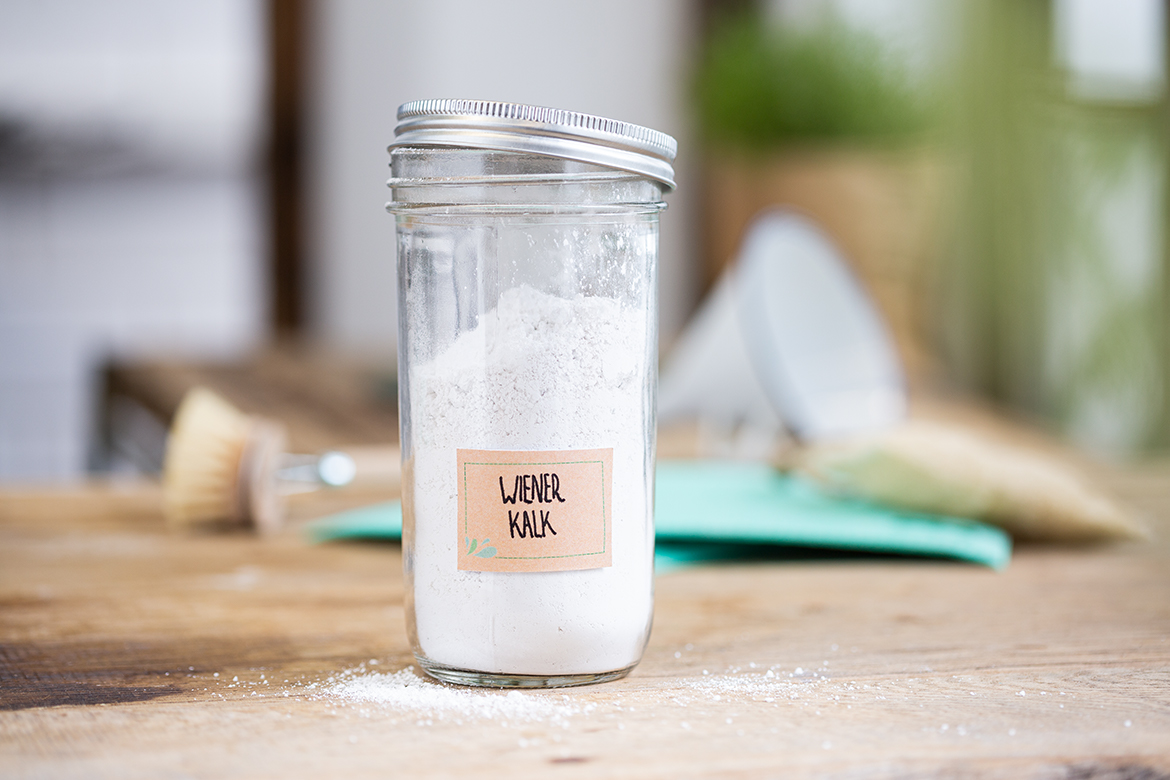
x=710, y=511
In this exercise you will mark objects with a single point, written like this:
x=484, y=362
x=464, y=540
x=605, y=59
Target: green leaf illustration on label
x=483, y=550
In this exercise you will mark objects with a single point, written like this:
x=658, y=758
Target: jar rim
x=525, y=209
x=518, y=127
x=511, y=179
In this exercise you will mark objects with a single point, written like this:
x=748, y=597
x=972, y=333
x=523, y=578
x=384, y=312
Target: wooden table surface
x=126, y=651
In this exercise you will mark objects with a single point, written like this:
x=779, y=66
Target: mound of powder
x=538, y=372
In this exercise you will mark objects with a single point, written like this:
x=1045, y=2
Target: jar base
x=449, y=674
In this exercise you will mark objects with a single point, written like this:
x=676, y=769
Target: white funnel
x=787, y=337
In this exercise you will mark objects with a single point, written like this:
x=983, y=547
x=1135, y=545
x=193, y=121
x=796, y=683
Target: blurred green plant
x=761, y=86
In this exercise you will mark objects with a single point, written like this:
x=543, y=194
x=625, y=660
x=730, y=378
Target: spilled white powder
x=538, y=372
x=405, y=690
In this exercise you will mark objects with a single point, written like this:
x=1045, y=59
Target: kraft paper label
x=526, y=510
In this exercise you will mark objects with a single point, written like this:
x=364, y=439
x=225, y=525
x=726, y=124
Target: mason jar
x=527, y=247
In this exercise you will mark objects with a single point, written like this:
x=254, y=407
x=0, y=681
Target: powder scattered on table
x=407, y=691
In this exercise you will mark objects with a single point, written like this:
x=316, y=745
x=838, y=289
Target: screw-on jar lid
x=515, y=127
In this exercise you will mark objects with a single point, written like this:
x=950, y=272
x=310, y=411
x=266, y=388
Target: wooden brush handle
x=259, y=500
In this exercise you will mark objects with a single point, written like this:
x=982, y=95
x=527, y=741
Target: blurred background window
x=131, y=210
x=1057, y=285
x=201, y=180
x=192, y=180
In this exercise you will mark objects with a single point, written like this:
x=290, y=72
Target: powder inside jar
x=538, y=372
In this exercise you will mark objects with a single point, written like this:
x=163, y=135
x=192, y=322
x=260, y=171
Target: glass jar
x=527, y=243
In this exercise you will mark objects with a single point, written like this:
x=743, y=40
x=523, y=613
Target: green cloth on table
x=710, y=511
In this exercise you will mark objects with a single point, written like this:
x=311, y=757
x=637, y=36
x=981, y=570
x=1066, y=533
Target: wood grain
x=121, y=645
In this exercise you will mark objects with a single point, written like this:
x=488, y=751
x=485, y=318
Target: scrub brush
x=951, y=469
x=221, y=465
x=225, y=467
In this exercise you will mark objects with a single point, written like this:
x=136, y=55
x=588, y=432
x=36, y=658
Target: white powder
x=405, y=690
x=537, y=373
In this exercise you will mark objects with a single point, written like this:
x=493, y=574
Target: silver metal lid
x=515, y=127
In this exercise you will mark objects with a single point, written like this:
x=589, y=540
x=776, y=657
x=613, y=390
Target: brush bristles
x=201, y=472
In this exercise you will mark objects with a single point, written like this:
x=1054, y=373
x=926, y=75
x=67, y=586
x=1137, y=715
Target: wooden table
x=126, y=651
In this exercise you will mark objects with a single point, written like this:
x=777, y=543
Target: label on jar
x=527, y=510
